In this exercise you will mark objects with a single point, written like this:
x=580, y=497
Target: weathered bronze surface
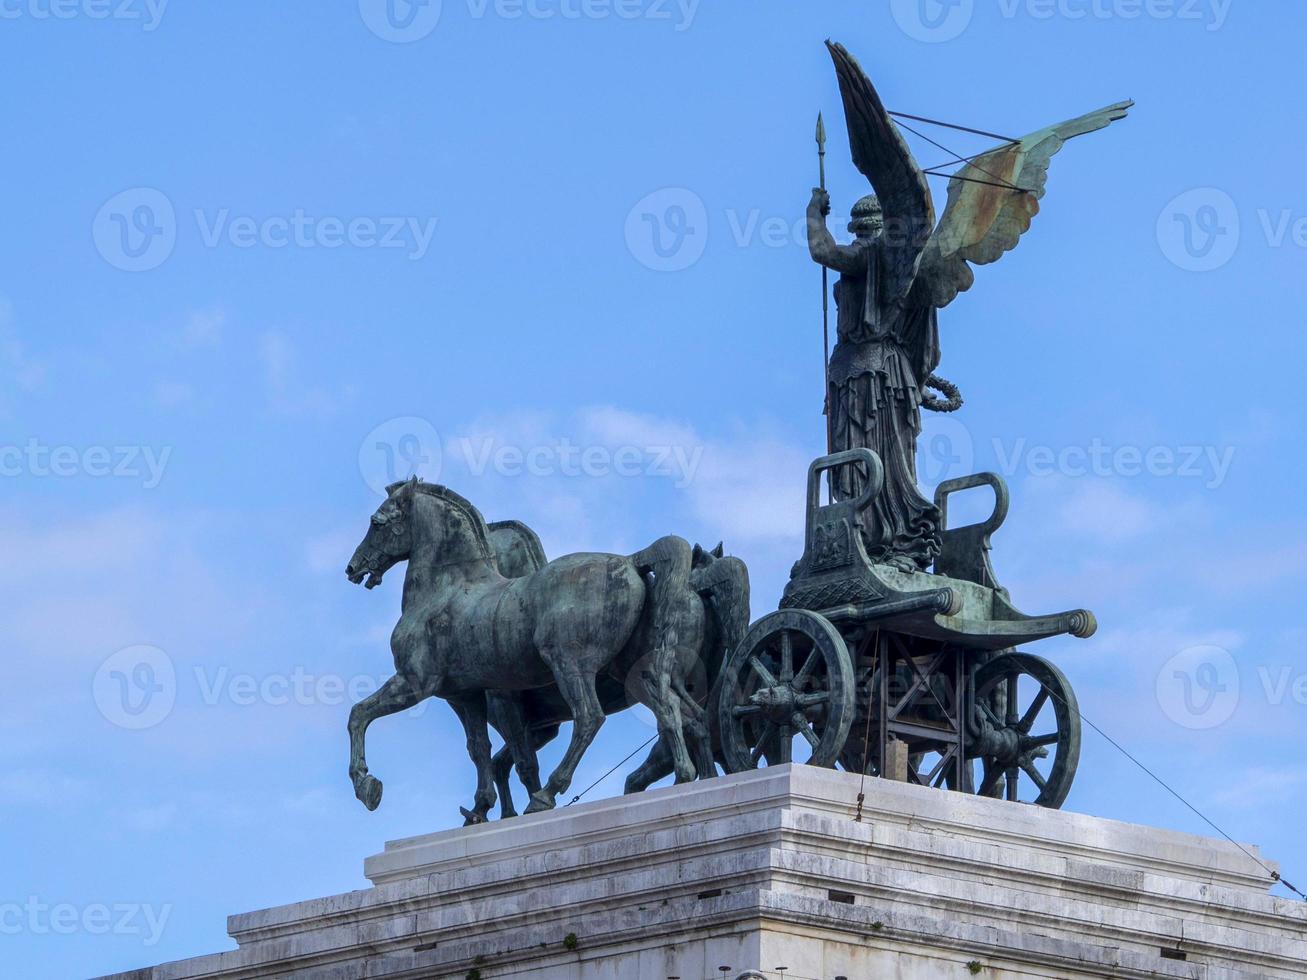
x=894, y=649
x=478, y=638
x=899, y=270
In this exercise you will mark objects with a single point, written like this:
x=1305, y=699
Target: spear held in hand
x=825, y=296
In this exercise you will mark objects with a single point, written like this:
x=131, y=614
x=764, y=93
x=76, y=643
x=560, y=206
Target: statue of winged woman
x=897, y=273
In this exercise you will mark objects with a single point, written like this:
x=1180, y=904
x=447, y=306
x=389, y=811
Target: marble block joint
x=768, y=869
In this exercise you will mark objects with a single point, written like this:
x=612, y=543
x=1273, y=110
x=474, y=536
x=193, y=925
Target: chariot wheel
x=790, y=680
x=1026, y=731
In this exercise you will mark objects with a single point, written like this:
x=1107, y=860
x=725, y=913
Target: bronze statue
x=894, y=277
x=565, y=628
x=865, y=641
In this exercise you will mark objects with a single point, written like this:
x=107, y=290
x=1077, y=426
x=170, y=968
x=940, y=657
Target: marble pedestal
x=764, y=870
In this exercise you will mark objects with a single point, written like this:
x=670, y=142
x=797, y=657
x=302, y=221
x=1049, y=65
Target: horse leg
x=472, y=713
x=520, y=738
x=698, y=728
x=528, y=770
x=578, y=690
x=395, y=695
x=654, y=768
x=503, y=767
x=507, y=717
x=667, y=674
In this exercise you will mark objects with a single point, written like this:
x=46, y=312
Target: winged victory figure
x=900, y=269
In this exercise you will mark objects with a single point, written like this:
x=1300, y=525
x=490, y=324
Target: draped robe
x=885, y=352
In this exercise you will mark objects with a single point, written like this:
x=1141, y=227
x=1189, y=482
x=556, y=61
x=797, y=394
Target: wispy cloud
x=20, y=373
x=287, y=391
x=203, y=328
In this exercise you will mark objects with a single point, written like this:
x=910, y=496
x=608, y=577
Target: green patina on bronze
x=893, y=652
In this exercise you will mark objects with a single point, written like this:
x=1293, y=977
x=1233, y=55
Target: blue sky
x=256, y=256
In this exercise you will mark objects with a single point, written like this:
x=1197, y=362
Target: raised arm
x=821, y=243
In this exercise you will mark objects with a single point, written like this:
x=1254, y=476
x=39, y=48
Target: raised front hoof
x=471, y=819
x=541, y=802
x=368, y=790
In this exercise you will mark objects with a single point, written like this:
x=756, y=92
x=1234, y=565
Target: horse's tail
x=669, y=561
x=724, y=584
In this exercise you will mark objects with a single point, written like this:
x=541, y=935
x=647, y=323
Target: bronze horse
x=465, y=629
x=721, y=581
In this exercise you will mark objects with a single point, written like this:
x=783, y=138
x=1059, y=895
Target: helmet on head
x=867, y=216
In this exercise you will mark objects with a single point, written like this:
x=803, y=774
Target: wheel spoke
x=763, y=673
x=741, y=710
x=1029, y=769
x=787, y=744
x=787, y=658
x=805, y=729
x=990, y=780
x=768, y=730
x=808, y=700
x=1040, y=740
x=1037, y=705
x=809, y=662
x=1011, y=694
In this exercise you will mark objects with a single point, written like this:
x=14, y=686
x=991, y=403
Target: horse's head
x=389, y=539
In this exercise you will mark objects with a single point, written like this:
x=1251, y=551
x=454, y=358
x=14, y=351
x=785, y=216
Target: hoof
x=368, y=790
x=540, y=802
x=471, y=819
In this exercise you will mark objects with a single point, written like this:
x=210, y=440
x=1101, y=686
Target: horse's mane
x=527, y=536
x=480, y=531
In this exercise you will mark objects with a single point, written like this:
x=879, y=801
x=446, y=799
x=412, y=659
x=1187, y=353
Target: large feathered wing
x=880, y=152
x=982, y=221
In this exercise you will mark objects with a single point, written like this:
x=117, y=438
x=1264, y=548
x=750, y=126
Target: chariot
x=911, y=676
